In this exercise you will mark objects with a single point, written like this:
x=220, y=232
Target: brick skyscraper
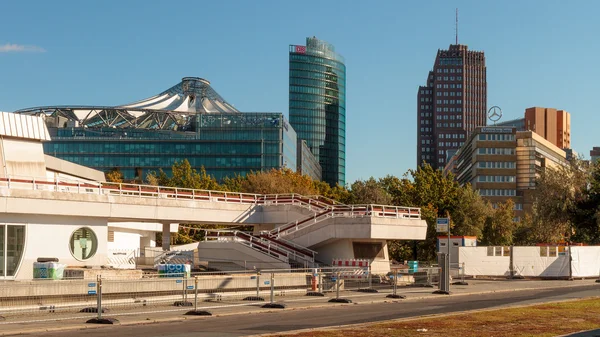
x=451, y=104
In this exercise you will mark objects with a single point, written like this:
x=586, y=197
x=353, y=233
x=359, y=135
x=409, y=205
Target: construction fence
x=195, y=293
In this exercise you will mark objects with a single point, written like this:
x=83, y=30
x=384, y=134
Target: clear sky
x=538, y=53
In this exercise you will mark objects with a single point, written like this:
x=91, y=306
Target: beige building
x=553, y=125
x=503, y=163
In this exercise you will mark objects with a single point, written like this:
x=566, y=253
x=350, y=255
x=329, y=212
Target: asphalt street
x=288, y=320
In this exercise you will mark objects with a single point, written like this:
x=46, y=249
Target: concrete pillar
x=166, y=237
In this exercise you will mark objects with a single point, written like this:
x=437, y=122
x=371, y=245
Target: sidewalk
x=48, y=322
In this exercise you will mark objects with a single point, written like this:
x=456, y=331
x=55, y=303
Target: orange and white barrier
x=352, y=268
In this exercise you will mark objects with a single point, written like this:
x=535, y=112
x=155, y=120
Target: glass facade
x=317, y=105
x=225, y=144
x=307, y=163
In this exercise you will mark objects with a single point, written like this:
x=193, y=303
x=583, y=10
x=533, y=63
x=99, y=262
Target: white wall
x=49, y=237
x=125, y=241
x=527, y=261
x=478, y=262
x=21, y=157
x=585, y=261
x=243, y=256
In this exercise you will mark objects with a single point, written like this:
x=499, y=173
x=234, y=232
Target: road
x=287, y=320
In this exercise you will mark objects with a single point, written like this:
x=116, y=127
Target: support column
x=166, y=237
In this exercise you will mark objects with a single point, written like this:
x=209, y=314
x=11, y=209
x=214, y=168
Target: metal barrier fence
x=194, y=293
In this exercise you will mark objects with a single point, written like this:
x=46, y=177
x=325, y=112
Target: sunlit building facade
x=317, y=104
x=188, y=121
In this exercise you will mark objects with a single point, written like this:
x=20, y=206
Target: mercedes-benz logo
x=494, y=113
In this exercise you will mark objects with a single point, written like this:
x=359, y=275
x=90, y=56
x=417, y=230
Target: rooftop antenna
x=456, y=26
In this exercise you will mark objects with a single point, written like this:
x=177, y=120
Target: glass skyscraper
x=318, y=104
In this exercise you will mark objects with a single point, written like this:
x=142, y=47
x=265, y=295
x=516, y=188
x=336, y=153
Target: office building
x=554, y=125
x=317, y=104
x=451, y=104
x=502, y=163
x=595, y=154
x=518, y=124
x=188, y=121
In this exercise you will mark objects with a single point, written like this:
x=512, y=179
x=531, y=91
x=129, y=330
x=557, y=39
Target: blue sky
x=538, y=53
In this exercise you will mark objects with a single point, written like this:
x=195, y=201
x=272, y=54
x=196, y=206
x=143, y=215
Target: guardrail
x=47, y=300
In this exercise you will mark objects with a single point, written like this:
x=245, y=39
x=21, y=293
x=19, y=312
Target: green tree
x=470, y=213
x=500, y=227
x=184, y=176
x=586, y=216
x=369, y=192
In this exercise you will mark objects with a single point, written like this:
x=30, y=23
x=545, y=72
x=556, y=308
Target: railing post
x=33, y=184
x=99, y=296
x=272, y=287
x=195, y=293
x=257, y=284
x=78, y=187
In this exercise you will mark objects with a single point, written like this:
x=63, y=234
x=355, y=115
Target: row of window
x=426, y=99
x=452, y=135
x=317, y=60
x=496, y=179
x=493, y=136
x=426, y=114
x=446, y=117
x=445, y=85
x=496, y=192
x=249, y=146
x=341, y=74
x=426, y=91
x=447, y=93
x=316, y=83
x=314, y=90
x=452, y=93
x=496, y=150
x=425, y=107
x=440, y=70
x=496, y=164
x=451, y=144
x=337, y=101
x=315, y=75
x=438, y=109
x=449, y=125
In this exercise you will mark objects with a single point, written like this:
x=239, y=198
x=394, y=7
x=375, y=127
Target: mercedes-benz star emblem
x=494, y=113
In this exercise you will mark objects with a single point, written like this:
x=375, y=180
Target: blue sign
x=91, y=292
x=267, y=282
x=190, y=287
x=179, y=281
x=91, y=285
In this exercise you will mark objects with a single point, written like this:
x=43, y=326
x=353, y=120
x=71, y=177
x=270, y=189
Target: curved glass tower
x=318, y=104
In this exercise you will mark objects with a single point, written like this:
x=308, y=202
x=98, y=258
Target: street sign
x=91, y=292
x=442, y=225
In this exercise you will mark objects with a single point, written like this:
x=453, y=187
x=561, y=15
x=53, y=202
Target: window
x=12, y=246
x=83, y=243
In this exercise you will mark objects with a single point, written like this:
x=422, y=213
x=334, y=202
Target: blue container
x=413, y=266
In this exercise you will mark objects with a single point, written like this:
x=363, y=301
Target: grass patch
x=540, y=321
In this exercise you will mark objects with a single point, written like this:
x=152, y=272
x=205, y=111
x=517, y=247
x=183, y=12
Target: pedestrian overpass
x=51, y=208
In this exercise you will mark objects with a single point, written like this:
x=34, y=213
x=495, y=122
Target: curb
x=259, y=310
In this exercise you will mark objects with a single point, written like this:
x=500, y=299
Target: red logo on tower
x=300, y=49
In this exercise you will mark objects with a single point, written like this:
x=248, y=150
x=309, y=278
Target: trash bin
x=413, y=266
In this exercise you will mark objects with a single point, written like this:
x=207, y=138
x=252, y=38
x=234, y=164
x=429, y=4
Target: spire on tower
x=456, y=26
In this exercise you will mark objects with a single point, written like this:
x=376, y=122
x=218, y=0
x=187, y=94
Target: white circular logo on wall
x=494, y=113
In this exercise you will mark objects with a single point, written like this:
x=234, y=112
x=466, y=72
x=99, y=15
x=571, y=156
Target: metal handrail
x=277, y=247
x=140, y=190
